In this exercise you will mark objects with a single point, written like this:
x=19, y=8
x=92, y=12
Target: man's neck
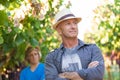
x=70, y=43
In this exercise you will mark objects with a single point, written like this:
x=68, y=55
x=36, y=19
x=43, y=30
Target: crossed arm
x=52, y=74
x=95, y=70
x=75, y=75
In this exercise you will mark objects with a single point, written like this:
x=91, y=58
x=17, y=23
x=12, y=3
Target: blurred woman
x=35, y=70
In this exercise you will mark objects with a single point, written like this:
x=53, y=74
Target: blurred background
x=29, y=22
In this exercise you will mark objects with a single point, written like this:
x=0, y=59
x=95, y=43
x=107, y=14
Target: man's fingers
x=70, y=75
x=61, y=75
x=93, y=64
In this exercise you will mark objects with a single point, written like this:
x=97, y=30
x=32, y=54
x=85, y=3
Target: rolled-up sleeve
x=95, y=73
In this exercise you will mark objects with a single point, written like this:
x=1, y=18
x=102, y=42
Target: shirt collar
x=80, y=44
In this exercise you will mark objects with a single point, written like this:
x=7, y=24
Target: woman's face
x=33, y=57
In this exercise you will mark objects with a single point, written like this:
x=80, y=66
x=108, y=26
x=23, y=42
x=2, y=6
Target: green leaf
x=19, y=39
x=4, y=17
x=34, y=42
x=1, y=40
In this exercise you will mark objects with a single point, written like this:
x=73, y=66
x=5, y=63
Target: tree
x=107, y=18
x=24, y=23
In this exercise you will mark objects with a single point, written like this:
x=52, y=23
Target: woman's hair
x=29, y=50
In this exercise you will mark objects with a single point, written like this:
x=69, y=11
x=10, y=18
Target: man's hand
x=75, y=75
x=70, y=75
x=93, y=64
x=62, y=75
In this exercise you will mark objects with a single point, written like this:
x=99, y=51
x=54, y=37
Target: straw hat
x=63, y=15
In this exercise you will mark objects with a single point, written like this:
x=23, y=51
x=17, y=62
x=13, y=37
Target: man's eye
x=75, y=22
x=67, y=23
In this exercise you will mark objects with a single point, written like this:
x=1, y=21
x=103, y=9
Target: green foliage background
x=107, y=18
x=35, y=32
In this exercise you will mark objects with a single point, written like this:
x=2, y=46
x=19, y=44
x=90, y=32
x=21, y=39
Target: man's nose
x=73, y=25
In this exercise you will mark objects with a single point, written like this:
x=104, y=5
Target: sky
x=84, y=9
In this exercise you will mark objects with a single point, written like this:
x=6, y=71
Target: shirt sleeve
x=22, y=75
x=51, y=72
x=95, y=73
x=42, y=77
x=42, y=71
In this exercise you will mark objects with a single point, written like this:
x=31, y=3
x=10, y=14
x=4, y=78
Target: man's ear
x=58, y=29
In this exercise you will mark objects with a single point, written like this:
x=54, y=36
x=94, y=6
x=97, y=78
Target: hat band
x=68, y=15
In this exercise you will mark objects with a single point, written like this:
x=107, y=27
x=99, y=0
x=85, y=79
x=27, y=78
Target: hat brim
x=56, y=24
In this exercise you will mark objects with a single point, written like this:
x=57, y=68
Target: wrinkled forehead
x=68, y=20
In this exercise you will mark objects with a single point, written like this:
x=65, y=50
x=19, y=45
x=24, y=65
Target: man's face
x=68, y=28
x=33, y=57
